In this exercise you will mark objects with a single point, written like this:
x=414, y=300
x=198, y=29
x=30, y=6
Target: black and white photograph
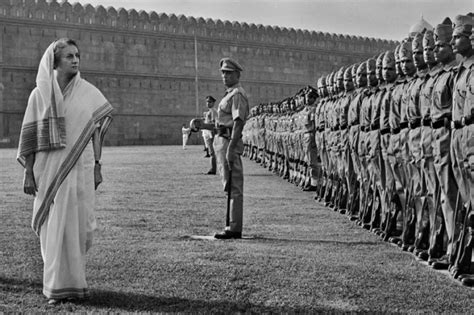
x=237, y=156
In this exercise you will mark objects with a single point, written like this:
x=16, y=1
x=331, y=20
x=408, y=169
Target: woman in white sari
x=60, y=148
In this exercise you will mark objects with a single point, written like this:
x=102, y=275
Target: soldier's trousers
x=210, y=147
x=237, y=185
x=311, y=157
x=445, y=176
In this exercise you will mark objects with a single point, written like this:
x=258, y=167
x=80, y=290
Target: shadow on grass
x=250, y=238
x=133, y=302
x=309, y=241
x=20, y=283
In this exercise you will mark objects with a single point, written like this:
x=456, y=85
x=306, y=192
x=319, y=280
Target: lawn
x=298, y=257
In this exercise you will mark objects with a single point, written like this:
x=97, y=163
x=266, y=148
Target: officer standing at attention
x=208, y=135
x=232, y=114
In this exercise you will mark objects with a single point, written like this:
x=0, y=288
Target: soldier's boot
x=336, y=194
x=392, y=231
x=343, y=199
x=328, y=190
x=367, y=213
x=354, y=205
x=244, y=153
x=376, y=210
x=463, y=263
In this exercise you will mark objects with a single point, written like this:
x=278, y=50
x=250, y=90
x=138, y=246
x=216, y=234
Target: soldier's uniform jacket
x=461, y=87
x=414, y=108
x=442, y=93
x=365, y=110
x=395, y=107
x=385, y=105
x=405, y=101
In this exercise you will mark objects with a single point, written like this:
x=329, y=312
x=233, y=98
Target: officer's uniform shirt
x=234, y=105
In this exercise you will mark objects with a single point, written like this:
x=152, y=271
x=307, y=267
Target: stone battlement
x=141, y=21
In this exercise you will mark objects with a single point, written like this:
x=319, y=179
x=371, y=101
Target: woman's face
x=68, y=63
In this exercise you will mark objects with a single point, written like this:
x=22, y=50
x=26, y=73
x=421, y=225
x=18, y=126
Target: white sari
x=60, y=138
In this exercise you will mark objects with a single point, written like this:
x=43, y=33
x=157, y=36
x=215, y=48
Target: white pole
x=196, y=76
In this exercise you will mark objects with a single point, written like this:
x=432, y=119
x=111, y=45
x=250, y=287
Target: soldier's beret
x=417, y=43
x=209, y=98
x=428, y=39
x=389, y=60
x=228, y=64
x=348, y=73
x=463, y=25
x=405, y=51
x=443, y=32
x=378, y=62
x=362, y=68
x=354, y=70
x=371, y=65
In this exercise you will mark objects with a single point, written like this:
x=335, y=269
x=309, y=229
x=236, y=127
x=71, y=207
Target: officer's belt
x=415, y=123
x=427, y=122
x=456, y=124
x=404, y=125
x=443, y=121
x=223, y=131
x=384, y=131
x=467, y=120
x=365, y=128
x=395, y=131
x=374, y=126
x=343, y=127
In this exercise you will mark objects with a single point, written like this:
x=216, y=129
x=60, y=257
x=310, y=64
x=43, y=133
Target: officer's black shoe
x=468, y=281
x=211, y=172
x=226, y=235
x=309, y=188
x=423, y=255
x=441, y=264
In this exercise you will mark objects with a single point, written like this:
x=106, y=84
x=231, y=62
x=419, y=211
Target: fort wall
x=144, y=63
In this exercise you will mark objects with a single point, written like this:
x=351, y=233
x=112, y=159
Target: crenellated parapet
x=110, y=17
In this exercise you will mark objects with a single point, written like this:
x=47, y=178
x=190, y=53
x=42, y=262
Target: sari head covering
x=43, y=127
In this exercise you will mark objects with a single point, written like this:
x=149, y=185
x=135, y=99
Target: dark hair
x=58, y=47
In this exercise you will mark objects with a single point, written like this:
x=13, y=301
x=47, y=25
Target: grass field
x=300, y=256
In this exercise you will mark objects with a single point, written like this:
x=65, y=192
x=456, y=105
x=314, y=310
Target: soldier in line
x=394, y=144
x=208, y=135
x=320, y=122
x=375, y=188
x=349, y=175
x=308, y=140
x=441, y=114
x=430, y=182
x=421, y=227
x=353, y=117
x=413, y=181
x=387, y=220
x=364, y=118
x=460, y=140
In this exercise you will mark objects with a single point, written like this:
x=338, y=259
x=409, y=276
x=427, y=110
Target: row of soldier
x=389, y=142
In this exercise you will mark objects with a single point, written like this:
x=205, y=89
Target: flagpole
x=196, y=76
